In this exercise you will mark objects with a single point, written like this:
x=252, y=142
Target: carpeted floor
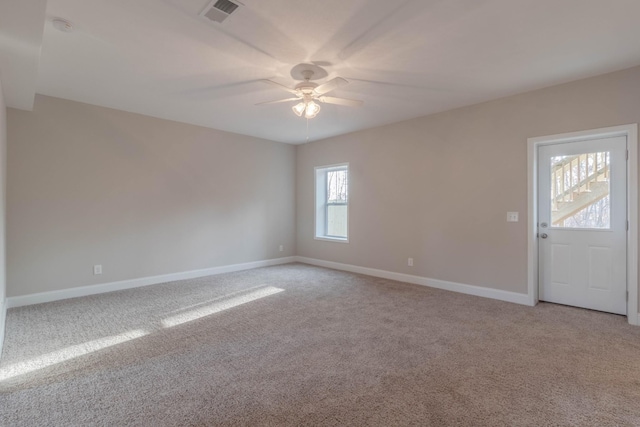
x=300, y=345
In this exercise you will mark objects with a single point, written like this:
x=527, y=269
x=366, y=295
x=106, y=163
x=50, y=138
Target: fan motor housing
x=306, y=88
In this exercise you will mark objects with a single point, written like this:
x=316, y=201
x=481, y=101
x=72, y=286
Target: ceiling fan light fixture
x=312, y=110
x=299, y=108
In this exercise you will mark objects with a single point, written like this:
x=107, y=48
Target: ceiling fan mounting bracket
x=312, y=71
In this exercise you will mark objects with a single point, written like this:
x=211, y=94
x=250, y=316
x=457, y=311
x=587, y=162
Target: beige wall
x=438, y=188
x=141, y=196
x=3, y=180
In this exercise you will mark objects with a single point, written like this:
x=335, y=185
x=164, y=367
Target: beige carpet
x=300, y=345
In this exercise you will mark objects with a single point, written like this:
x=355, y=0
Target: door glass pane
x=580, y=191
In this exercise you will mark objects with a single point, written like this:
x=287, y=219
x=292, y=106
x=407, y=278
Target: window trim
x=321, y=204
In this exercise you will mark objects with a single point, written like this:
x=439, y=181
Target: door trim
x=631, y=132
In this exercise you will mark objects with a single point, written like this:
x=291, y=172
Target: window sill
x=333, y=239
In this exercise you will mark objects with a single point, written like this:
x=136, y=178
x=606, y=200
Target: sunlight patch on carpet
x=67, y=353
x=219, y=306
x=182, y=309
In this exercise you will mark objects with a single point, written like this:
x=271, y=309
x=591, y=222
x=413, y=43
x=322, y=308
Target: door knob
x=544, y=235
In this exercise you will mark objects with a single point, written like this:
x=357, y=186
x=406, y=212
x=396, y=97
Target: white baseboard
x=478, y=291
x=43, y=297
x=82, y=291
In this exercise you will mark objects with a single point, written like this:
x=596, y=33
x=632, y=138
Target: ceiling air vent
x=219, y=10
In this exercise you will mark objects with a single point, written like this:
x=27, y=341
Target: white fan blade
x=341, y=101
x=381, y=83
x=330, y=85
x=278, y=85
x=278, y=101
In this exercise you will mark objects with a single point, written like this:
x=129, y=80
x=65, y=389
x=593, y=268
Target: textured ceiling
x=404, y=58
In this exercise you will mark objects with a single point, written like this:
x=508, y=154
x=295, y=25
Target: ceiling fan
x=307, y=92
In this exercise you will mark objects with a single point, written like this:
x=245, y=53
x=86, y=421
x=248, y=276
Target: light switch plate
x=512, y=216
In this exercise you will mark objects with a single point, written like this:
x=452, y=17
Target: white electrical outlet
x=97, y=269
x=281, y=248
x=410, y=262
x=512, y=216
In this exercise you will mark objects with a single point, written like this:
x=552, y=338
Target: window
x=332, y=202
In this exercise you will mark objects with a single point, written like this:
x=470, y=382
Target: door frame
x=631, y=132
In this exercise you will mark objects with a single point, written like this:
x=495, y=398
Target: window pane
x=580, y=191
x=337, y=186
x=337, y=220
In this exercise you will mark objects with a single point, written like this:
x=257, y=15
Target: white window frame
x=321, y=205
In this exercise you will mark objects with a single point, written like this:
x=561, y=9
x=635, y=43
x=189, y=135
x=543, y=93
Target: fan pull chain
x=307, y=130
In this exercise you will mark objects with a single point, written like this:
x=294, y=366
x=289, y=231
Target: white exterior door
x=582, y=223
